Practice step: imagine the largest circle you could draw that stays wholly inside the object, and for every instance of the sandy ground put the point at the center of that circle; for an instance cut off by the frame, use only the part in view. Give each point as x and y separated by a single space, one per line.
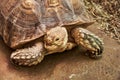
69 65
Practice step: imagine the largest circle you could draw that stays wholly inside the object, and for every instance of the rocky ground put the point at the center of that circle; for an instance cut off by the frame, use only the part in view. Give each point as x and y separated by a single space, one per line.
69 65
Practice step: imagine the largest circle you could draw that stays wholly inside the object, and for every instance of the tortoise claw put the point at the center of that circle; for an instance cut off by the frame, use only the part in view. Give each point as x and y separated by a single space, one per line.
93 54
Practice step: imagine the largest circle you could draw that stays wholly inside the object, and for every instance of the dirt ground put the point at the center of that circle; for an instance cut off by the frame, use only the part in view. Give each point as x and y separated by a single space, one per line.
69 65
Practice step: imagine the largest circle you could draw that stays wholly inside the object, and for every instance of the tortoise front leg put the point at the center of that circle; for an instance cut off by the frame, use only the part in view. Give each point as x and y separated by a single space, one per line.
29 56
88 40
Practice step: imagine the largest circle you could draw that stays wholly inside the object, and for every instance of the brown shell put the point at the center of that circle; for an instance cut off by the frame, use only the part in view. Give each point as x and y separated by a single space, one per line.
26 20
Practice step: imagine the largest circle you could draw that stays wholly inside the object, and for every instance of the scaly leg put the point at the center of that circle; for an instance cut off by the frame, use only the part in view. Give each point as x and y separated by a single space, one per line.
88 40
29 56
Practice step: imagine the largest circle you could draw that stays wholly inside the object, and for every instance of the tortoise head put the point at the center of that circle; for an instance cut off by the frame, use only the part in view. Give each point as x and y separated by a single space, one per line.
56 38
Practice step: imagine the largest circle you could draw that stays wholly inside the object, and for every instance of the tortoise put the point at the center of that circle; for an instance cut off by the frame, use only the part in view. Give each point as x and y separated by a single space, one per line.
35 28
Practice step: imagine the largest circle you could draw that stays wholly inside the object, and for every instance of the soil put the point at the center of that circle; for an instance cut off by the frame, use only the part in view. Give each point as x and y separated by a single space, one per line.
107 14
69 65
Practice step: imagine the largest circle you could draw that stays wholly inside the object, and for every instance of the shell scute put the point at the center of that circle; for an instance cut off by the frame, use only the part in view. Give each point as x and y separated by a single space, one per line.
27 20
7 6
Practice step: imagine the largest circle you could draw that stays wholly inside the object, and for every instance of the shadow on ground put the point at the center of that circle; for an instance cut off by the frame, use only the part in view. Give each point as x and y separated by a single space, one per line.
69 65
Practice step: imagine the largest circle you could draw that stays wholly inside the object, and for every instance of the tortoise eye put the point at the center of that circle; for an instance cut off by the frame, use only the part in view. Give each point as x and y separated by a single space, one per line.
57 39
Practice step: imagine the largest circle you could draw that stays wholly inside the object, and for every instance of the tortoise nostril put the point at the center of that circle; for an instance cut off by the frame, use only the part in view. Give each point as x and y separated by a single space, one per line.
48 41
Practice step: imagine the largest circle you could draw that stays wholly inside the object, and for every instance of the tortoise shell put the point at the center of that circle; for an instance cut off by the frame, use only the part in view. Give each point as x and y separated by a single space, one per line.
23 21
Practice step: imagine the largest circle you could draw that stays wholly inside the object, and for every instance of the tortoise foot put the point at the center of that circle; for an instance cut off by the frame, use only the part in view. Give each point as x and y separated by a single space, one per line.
89 41
28 56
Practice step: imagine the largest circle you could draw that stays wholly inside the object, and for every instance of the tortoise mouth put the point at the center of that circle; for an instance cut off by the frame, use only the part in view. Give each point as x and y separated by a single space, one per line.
51 47
52 44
